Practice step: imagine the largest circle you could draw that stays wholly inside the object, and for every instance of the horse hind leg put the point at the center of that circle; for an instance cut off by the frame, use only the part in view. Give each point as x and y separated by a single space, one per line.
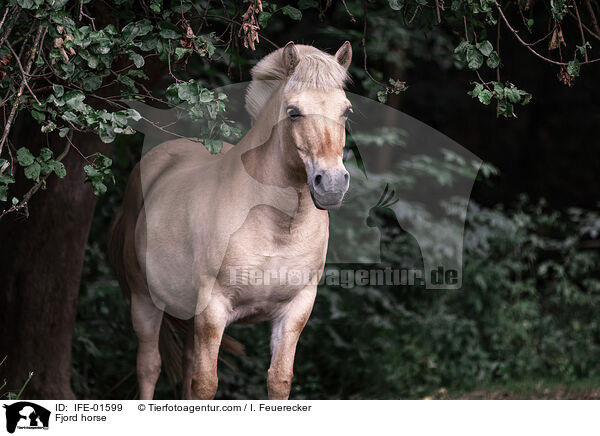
146 319
188 361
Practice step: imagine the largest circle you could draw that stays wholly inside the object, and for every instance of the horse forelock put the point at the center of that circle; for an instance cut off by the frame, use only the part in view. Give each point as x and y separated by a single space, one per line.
315 69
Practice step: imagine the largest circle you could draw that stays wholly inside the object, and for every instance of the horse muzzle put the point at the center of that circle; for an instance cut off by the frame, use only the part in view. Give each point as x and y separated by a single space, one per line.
327 188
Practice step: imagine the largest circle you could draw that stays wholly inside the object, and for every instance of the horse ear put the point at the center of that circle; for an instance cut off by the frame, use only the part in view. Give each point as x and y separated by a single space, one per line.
291 57
344 55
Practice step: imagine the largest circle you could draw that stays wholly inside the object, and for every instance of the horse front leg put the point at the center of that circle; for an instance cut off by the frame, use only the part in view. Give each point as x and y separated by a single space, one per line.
208 332
284 338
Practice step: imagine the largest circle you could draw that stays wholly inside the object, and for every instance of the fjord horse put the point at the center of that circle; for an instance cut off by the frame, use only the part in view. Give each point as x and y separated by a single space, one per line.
195 230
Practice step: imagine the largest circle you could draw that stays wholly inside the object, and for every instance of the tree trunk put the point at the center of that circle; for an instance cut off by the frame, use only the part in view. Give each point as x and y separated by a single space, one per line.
41 259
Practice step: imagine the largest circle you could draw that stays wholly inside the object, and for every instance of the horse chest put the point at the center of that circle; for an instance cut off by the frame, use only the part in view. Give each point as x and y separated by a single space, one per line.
269 260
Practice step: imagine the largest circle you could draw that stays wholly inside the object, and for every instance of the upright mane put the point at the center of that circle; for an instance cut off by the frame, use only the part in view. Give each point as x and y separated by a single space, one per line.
315 69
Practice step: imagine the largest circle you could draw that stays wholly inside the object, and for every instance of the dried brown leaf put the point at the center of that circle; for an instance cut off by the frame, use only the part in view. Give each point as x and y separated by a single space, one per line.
556 40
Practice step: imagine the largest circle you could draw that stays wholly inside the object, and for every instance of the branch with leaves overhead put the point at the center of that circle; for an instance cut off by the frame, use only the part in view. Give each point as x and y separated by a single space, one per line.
58 66
475 20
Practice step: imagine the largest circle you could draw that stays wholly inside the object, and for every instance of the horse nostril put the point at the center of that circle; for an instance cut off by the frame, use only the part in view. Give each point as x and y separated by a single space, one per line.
318 179
346 177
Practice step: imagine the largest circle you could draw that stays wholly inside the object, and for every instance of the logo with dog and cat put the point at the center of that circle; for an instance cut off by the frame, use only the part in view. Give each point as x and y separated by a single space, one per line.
24 415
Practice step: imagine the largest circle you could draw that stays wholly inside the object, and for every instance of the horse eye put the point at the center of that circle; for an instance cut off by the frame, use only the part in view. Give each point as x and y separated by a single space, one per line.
293 112
348 112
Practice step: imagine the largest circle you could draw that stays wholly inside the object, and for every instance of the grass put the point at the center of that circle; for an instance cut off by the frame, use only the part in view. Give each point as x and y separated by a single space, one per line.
544 389
13 395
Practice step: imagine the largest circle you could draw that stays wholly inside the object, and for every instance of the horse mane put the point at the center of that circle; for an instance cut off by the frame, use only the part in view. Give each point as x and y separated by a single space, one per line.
315 69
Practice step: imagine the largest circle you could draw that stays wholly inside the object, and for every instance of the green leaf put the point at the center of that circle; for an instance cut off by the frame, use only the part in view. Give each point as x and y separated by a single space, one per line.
38 116
33 171
506 109
45 154
513 94
58 4
63 132
225 129
99 188
24 157
530 22
107 133
206 95
136 29
69 116
149 43
74 100
6 179
573 67
485 96
58 168
138 60
382 96
91 172
92 82
30 4
3 193
485 47
499 90
476 90
119 119
181 52
170 34
58 90
156 6
214 146
292 12
133 114
263 19
474 58
583 47
127 81
395 4
558 8
493 60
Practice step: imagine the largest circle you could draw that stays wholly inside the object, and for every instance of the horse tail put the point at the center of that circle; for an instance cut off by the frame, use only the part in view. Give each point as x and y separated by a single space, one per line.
121 238
170 346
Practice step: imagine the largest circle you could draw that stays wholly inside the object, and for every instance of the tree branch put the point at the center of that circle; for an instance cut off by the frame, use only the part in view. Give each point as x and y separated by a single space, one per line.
528 46
11 24
588 5
13 111
583 41
23 73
